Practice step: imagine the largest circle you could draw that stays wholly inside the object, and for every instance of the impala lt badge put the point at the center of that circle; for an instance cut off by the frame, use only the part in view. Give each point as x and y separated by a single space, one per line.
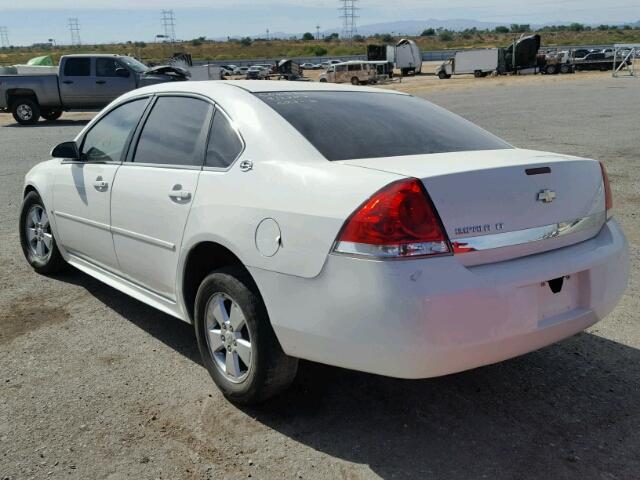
546 196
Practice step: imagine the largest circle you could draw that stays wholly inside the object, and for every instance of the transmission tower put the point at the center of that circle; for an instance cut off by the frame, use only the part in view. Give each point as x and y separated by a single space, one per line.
317 32
74 28
169 25
4 37
348 13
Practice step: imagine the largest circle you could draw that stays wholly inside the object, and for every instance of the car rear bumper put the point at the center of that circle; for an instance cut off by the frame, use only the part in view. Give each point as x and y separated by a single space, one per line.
431 317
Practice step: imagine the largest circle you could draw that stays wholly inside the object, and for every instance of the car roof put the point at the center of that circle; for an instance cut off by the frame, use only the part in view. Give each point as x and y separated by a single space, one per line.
214 88
111 55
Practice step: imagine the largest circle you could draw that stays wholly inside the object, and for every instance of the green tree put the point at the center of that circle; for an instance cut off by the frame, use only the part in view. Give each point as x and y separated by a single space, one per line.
386 38
307 36
501 29
246 42
576 27
445 36
358 38
428 32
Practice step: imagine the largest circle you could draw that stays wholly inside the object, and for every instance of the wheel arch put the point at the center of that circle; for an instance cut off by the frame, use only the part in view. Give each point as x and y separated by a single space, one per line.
200 260
16 93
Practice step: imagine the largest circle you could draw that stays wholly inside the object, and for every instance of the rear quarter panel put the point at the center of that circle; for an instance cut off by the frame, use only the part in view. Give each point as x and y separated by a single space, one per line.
44 87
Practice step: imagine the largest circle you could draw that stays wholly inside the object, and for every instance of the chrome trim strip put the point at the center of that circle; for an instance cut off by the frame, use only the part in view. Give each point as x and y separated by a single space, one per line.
529 235
121 231
86 221
144 238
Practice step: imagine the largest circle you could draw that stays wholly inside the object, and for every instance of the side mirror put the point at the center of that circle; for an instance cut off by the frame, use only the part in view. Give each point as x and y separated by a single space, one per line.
68 150
122 72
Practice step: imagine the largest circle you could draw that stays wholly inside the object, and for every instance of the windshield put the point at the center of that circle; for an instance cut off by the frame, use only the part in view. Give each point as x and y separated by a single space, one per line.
353 125
134 64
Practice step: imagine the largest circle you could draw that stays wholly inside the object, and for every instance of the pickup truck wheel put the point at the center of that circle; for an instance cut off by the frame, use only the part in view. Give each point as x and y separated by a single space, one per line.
236 341
477 74
25 111
36 237
51 115
443 75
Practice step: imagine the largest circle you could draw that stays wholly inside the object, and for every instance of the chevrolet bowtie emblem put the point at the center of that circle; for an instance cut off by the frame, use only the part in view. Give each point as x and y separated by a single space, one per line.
546 196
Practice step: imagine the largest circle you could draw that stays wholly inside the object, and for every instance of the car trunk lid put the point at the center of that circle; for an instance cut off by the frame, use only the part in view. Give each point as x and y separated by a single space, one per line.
502 204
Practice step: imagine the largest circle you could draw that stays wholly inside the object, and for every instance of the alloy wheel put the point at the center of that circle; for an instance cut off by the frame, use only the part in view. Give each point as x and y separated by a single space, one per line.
228 337
38 233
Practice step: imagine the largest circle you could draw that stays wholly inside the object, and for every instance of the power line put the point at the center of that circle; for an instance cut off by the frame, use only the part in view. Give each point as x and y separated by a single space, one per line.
169 25
74 28
348 13
4 37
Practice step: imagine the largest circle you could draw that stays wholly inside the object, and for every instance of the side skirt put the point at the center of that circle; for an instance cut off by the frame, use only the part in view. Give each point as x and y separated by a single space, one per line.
133 290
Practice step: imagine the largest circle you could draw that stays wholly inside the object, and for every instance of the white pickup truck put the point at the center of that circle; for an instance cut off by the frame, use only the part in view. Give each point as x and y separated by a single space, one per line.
83 82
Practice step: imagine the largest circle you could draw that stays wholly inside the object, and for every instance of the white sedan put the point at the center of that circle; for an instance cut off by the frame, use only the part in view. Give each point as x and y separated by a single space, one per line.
352 226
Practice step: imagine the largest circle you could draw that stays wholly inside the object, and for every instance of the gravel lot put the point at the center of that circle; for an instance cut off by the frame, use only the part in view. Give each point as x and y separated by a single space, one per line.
97 385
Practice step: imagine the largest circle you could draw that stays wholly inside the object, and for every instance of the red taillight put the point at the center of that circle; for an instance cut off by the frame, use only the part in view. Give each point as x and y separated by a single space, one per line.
397 221
608 198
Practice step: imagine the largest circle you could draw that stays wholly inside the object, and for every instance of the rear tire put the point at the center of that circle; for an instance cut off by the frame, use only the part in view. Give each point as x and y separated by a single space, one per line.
355 81
477 74
443 75
51 115
231 320
564 69
550 70
36 237
25 111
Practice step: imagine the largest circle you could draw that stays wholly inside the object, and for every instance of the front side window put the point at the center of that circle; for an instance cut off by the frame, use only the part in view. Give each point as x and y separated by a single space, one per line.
224 143
173 132
106 67
77 67
353 125
107 139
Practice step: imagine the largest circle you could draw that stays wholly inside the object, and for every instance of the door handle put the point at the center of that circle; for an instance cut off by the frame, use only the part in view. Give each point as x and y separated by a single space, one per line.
180 195
100 81
100 184
67 81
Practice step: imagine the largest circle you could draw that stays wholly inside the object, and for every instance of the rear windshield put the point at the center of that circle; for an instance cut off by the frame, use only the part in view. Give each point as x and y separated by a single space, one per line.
350 125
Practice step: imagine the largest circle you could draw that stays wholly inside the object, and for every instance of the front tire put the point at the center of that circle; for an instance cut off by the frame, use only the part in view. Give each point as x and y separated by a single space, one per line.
355 81
236 341
25 111
36 237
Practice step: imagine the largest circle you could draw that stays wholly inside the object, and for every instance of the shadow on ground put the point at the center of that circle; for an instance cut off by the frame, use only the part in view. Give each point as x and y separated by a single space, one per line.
571 410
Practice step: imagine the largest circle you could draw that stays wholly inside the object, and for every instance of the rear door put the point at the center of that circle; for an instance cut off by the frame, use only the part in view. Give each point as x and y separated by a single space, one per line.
152 196
77 83
108 85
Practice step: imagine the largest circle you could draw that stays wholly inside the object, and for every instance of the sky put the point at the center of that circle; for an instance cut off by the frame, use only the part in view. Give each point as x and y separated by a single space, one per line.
101 21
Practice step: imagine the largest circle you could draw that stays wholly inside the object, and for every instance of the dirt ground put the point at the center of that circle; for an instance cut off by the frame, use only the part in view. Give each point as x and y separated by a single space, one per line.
95 385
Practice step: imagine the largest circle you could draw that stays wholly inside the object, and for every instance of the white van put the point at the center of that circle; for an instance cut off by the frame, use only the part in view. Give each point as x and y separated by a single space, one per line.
357 73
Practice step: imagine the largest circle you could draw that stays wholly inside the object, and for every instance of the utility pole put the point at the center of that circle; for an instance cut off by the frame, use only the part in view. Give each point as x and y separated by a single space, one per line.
317 32
169 25
74 28
267 34
4 37
348 12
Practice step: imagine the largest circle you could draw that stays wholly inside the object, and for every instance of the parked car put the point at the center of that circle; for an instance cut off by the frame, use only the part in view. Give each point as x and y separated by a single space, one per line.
357 227
241 71
256 72
308 66
84 82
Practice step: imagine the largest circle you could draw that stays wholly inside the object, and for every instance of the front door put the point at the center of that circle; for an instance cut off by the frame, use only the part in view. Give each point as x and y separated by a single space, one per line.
152 196
108 85
82 189
77 83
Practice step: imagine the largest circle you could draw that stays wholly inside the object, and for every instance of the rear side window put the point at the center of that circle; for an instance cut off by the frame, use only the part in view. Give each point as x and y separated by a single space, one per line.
173 132
108 138
77 67
224 143
350 125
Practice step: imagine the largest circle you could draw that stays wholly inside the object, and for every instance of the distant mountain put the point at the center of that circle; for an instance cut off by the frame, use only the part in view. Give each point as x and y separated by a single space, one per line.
416 27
